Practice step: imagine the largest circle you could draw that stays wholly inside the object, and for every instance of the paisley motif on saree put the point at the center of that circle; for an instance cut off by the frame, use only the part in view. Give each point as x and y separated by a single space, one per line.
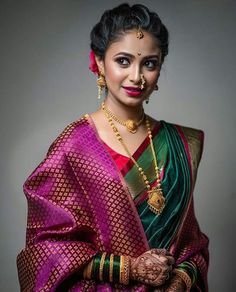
79 205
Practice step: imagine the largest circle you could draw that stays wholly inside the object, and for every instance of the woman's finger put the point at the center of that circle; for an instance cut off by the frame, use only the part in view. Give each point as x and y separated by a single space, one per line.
171 260
159 251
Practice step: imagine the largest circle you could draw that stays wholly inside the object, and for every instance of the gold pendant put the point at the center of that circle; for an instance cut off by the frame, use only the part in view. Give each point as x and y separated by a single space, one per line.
131 126
156 201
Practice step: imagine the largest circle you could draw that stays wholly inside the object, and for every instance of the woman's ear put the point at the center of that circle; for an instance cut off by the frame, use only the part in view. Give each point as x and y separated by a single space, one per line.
100 64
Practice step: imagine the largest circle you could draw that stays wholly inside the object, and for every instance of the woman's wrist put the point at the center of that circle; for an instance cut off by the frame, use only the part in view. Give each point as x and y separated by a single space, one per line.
190 268
124 270
184 277
108 268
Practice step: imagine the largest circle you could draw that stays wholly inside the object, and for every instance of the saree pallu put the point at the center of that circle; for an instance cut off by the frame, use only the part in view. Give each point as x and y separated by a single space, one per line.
79 204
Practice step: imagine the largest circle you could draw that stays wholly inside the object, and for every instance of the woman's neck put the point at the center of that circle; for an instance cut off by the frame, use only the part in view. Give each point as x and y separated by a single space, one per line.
123 111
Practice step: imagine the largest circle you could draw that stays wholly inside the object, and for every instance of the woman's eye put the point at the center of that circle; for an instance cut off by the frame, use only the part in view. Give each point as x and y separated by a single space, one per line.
151 64
122 61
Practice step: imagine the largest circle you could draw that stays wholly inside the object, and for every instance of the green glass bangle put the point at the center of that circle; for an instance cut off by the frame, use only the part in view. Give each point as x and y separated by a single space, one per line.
190 269
195 271
96 265
116 269
106 268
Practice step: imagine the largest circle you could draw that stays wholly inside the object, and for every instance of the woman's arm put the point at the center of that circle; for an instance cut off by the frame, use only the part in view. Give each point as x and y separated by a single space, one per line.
60 237
191 245
152 268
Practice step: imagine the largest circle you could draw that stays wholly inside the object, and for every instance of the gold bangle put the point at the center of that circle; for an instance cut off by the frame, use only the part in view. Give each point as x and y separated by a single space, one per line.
85 272
121 268
185 277
111 268
102 266
124 270
88 270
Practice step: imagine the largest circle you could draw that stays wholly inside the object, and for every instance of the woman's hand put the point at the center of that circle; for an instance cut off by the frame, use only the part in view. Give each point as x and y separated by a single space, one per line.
152 267
175 284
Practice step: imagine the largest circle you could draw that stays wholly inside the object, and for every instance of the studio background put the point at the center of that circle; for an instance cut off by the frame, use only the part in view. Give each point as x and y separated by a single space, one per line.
45 84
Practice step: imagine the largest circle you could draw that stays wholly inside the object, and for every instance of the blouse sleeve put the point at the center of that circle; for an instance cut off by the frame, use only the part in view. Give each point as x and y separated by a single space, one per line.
60 238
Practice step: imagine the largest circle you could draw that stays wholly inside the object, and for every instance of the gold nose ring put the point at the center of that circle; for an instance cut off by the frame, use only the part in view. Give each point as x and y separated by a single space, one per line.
143 81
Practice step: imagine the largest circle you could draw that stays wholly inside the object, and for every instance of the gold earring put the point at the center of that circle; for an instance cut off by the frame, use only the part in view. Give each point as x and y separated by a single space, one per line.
156 87
101 83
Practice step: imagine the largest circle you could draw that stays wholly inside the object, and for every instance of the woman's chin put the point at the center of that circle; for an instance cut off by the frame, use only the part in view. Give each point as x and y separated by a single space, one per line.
130 101
134 102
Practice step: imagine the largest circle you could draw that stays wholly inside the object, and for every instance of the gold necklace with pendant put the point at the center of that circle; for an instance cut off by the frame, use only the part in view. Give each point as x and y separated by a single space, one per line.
130 125
156 200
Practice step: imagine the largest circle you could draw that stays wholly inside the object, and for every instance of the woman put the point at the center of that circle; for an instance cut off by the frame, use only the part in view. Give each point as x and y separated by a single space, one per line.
111 205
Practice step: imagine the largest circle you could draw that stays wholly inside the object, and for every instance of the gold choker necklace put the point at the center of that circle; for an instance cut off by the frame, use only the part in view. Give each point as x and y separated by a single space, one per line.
130 125
156 200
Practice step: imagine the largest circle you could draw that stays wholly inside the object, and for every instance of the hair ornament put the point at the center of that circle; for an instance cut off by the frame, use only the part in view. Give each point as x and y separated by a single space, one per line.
139 33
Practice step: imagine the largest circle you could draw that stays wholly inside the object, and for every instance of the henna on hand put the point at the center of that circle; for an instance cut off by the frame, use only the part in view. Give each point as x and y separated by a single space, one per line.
152 267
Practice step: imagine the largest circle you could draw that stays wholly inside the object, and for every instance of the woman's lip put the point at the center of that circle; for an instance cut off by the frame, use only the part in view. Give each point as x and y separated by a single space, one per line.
132 91
130 88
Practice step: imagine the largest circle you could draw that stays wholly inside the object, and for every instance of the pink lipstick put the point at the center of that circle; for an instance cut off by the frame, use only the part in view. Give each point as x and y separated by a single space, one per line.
132 91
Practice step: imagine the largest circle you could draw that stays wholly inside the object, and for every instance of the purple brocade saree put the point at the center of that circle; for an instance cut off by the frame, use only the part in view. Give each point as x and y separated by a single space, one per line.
79 204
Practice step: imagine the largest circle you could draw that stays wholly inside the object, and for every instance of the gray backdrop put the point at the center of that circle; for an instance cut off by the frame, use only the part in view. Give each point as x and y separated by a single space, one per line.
45 84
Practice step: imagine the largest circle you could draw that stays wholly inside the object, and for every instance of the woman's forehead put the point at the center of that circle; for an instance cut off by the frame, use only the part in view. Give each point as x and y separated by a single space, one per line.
131 44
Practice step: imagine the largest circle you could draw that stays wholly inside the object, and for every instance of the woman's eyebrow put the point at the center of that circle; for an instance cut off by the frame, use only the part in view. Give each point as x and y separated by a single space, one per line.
124 54
152 56
132 56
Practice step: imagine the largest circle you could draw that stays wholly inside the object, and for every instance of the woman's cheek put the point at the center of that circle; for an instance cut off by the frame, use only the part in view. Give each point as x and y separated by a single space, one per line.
114 74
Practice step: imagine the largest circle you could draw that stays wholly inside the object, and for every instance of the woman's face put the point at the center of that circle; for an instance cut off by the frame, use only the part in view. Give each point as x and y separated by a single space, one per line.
125 60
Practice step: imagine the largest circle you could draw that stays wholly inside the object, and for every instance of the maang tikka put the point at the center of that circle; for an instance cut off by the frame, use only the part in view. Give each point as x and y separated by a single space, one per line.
139 33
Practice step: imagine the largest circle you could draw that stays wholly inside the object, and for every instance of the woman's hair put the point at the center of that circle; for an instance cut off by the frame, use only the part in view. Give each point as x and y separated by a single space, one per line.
115 22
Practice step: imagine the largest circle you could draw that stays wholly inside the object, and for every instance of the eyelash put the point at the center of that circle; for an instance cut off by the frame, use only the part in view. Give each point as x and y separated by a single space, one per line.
154 64
121 60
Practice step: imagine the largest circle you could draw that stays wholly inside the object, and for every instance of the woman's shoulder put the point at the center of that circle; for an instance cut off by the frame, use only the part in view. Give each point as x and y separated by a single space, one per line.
61 146
192 133
193 140
189 133
69 134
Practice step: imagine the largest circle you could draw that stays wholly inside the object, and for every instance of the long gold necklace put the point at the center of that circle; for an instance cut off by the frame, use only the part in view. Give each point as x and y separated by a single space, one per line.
130 125
156 200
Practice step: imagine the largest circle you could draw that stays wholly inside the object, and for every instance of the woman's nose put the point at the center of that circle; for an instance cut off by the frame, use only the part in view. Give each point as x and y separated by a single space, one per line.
135 74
